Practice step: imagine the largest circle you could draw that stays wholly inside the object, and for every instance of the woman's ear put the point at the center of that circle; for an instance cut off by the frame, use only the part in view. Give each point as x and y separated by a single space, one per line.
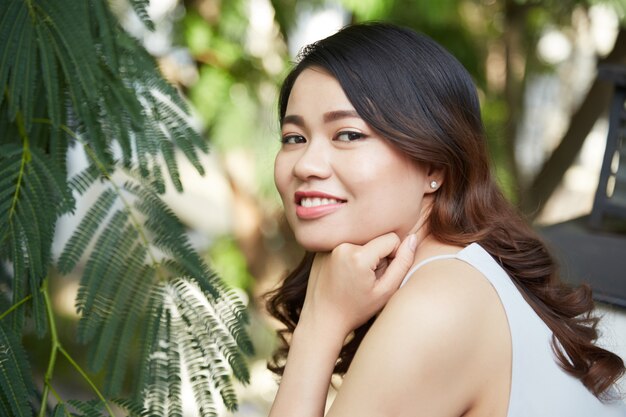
434 178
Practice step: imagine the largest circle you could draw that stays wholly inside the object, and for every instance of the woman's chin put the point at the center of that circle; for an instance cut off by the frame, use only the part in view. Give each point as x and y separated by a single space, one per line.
326 245
316 246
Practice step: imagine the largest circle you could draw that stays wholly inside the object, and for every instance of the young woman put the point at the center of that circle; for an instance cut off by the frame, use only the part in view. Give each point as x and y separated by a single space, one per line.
421 283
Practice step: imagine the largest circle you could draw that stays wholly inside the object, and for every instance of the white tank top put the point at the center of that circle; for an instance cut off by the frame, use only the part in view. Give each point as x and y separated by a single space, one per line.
539 387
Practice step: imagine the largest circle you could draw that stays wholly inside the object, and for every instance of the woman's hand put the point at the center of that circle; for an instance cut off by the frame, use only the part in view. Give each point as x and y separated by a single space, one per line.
346 287
352 283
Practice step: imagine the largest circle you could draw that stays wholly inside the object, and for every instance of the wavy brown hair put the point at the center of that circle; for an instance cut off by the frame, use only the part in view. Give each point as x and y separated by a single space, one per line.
417 96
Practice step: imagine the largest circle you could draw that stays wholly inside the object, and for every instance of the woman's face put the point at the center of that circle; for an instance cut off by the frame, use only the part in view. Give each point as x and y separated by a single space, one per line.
339 181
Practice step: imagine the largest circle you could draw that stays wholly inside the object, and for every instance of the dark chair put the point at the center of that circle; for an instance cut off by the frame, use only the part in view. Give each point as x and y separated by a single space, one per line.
610 200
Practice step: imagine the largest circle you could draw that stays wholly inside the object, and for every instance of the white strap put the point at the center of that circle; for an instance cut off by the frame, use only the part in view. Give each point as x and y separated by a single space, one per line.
424 262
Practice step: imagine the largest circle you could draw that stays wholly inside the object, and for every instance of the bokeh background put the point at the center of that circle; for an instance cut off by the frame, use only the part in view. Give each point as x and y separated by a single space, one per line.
534 62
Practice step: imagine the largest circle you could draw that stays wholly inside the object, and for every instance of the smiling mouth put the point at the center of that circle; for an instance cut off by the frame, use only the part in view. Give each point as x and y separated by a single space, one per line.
317 202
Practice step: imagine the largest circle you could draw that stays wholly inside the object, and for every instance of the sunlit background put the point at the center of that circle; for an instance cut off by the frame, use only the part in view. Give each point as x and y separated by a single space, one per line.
533 62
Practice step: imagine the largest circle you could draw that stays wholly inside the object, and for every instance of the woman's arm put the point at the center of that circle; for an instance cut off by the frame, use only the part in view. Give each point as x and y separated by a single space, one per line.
346 287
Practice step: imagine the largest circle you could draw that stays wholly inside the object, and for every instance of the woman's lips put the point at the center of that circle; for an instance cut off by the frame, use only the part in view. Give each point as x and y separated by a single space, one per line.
314 204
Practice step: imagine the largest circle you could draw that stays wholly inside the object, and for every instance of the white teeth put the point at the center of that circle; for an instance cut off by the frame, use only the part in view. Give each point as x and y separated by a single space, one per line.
314 202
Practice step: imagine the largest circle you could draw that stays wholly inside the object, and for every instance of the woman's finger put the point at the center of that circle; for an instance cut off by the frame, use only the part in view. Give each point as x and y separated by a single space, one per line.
378 248
399 266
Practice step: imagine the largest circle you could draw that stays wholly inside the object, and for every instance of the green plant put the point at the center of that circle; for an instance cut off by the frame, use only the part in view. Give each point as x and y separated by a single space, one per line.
71 77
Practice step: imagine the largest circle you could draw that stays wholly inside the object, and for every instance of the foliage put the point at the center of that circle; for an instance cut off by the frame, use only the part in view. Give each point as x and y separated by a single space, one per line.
71 78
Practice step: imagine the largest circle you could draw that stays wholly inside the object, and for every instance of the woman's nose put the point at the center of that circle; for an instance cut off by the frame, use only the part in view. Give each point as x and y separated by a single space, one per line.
314 162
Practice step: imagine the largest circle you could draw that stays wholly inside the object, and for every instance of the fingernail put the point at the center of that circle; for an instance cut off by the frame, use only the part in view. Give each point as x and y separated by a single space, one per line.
413 242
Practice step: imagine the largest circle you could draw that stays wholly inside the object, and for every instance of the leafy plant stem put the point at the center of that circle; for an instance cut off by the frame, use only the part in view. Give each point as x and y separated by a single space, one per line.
53 351
25 158
56 348
15 306
87 379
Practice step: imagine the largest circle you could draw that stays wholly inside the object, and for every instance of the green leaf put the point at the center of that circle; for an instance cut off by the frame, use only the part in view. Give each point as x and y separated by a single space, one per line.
86 230
15 376
134 314
68 26
106 27
13 17
49 72
117 303
140 7
92 408
60 411
84 179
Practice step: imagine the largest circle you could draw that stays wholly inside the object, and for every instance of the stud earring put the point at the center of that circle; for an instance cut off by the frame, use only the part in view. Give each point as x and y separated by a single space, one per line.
434 185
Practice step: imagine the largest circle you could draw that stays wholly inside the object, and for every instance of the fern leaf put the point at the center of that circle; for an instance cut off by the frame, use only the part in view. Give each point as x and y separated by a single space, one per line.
19 282
5 407
23 77
169 156
58 149
220 377
56 182
198 375
104 249
157 181
91 408
106 27
168 231
115 304
60 411
34 278
10 166
106 262
142 151
32 230
15 376
181 133
150 336
69 28
205 352
86 230
89 127
140 7
163 106
134 408
49 71
203 320
83 180
174 376
134 314
157 388
126 96
13 17
233 324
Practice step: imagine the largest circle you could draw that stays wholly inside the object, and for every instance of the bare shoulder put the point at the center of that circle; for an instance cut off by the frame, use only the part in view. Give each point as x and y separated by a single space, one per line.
451 303
450 287
434 344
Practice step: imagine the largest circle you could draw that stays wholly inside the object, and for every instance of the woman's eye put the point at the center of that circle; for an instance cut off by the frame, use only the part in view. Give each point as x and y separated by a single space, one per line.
349 136
292 139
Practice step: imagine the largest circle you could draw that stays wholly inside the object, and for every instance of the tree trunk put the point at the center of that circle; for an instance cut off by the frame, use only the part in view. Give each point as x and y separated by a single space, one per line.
515 17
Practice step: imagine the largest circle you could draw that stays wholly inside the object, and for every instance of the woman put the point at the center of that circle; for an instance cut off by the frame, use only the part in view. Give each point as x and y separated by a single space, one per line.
421 283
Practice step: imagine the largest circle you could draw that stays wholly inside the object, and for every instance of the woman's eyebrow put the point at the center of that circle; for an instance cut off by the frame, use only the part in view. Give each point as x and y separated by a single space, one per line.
294 119
331 116
328 117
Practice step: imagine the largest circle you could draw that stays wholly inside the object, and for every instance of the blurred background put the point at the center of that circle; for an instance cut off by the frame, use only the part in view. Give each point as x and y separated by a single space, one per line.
535 65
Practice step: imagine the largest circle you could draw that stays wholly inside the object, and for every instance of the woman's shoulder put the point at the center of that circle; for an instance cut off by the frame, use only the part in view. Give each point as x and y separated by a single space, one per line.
447 291
450 308
435 338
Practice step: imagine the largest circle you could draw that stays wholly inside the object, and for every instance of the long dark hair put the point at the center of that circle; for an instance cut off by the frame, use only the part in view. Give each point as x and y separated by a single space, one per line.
417 96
